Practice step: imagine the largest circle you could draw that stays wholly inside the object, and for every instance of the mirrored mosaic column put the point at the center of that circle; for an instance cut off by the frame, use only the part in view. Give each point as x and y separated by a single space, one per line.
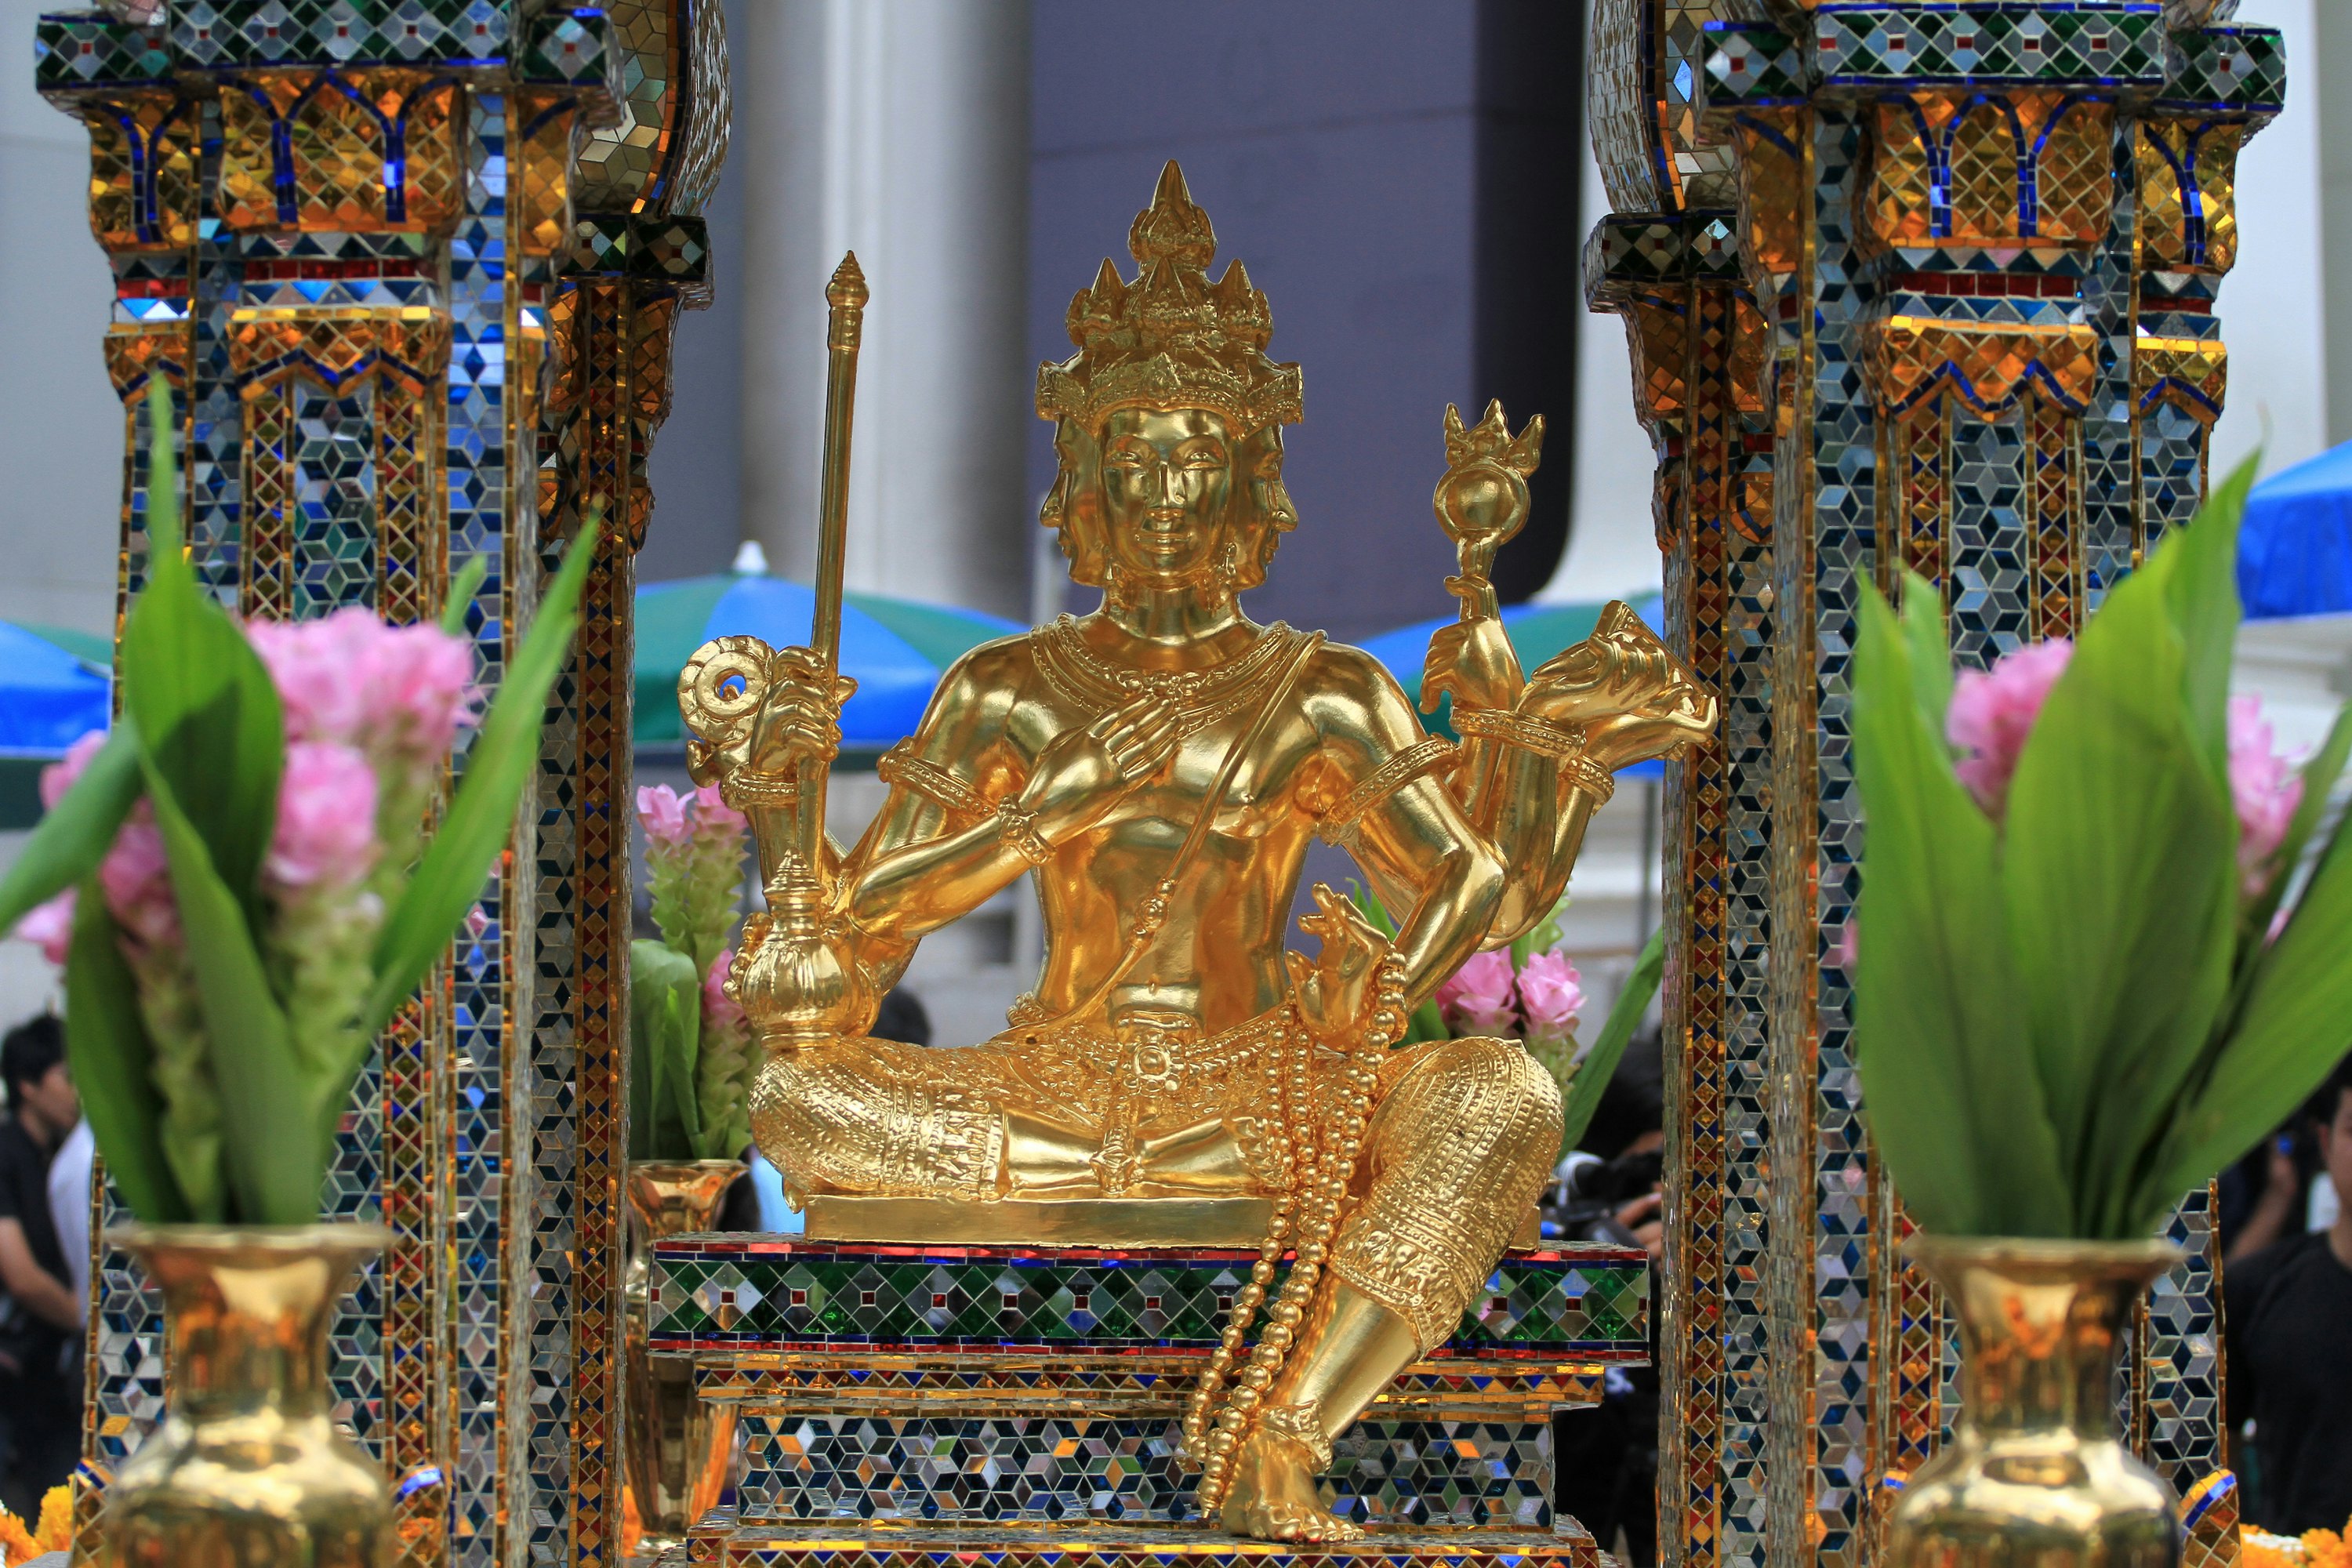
304 206
1981 241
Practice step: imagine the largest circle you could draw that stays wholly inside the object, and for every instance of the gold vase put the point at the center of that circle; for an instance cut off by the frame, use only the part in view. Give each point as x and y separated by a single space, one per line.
678 1447
2034 1474
248 1467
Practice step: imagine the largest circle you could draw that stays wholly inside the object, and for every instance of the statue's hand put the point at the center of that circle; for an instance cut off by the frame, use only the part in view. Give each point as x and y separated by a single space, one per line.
1476 662
1629 698
1084 771
755 709
1335 989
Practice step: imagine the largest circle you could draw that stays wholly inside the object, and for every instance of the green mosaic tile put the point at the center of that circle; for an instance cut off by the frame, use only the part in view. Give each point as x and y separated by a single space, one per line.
78 53
1627 254
563 46
213 33
2225 70
2051 44
669 251
1750 64
1587 1302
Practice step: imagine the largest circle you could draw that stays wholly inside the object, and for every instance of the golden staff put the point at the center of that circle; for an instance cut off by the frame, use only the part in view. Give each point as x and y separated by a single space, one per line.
846 296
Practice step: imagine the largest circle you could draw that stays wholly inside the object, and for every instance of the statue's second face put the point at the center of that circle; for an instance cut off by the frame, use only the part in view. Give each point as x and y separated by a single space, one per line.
1167 479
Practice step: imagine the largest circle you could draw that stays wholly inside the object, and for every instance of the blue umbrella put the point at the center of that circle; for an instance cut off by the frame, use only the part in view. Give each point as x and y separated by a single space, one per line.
49 697
896 649
53 692
2295 551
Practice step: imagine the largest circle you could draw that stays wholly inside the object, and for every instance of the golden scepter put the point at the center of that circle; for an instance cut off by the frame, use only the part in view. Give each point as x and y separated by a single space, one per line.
846 297
795 974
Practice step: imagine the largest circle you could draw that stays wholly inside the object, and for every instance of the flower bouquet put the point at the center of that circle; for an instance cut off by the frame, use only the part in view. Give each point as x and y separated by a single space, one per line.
239 882
1529 991
2081 987
691 1063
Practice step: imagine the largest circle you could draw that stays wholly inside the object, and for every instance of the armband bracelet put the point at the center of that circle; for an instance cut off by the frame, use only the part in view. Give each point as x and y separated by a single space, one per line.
1584 774
1017 830
1541 736
899 766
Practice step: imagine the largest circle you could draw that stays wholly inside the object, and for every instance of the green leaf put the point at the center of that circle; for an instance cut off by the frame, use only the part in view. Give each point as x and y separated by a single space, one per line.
2198 568
1928 646
76 834
2297 1025
1949 1089
461 594
665 1015
449 878
278 1164
208 717
1599 1064
112 1061
2119 877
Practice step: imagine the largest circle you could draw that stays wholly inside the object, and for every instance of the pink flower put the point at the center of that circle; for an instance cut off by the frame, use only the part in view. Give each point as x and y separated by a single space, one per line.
2265 789
662 813
1993 711
50 926
398 692
1481 993
136 880
325 834
61 775
711 812
718 1007
1551 993
1847 953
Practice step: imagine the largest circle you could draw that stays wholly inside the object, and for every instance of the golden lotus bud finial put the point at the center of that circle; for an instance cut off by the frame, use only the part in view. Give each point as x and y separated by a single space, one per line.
1482 501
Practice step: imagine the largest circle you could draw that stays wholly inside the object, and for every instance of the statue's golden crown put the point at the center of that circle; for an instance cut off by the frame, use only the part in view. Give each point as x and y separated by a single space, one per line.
1172 339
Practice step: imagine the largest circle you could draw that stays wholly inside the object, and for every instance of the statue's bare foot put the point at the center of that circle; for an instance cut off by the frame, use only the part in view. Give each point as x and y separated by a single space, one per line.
1272 1495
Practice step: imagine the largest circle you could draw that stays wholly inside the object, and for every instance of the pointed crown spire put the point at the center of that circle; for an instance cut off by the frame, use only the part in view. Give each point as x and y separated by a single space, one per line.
1170 339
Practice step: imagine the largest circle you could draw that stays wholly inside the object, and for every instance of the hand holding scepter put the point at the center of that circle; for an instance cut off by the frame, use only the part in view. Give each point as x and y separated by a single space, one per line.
1481 502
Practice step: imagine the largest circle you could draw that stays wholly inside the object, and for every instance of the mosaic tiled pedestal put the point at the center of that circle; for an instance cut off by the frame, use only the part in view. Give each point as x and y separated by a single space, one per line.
900 1402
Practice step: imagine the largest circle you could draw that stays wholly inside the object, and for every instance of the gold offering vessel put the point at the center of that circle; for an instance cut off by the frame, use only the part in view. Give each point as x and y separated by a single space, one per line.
1159 767
2035 1474
678 1446
248 1467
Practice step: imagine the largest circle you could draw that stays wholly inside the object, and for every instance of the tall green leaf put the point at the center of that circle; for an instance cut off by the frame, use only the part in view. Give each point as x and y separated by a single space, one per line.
1599 1064
2198 568
76 832
449 877
665 1018
1928 649
2119 877
208 717
1948 1087
462 590
2295 1026
276 1163
112 1061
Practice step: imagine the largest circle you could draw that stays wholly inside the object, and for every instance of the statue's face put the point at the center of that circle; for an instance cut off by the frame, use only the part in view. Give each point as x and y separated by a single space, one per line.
1167 482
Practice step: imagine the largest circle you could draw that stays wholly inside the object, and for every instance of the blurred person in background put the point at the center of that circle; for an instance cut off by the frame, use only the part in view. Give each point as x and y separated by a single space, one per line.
40 1391
1611 1189
2288 1317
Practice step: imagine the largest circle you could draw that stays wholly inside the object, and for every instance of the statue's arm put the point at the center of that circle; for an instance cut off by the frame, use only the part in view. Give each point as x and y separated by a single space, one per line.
939 848
1375 793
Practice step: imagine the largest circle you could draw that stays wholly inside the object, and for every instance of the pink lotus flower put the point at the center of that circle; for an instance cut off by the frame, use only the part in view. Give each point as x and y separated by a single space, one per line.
61 776
718 1007
1993 711
2265 789
1847 953
399 694
712 814
1481 993
663 815
325 834
49 927
1552 995
135 879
